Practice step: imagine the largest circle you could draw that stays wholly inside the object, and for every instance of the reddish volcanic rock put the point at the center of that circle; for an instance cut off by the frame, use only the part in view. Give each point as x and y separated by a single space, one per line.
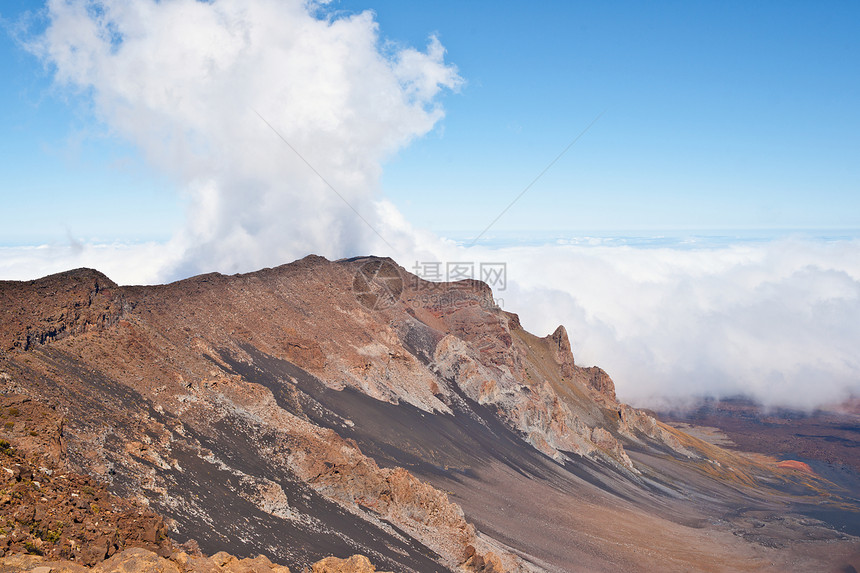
140 560
796 465
47 510
562 353
354 564
41 311
600 382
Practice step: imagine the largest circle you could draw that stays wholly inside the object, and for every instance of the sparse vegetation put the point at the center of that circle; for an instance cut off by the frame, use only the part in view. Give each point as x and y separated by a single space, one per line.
13 412
32 549
48 535
47 518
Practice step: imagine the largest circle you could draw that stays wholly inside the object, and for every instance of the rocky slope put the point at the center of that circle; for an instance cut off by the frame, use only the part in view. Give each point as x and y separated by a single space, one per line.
54 520
331 408
49 511
138 560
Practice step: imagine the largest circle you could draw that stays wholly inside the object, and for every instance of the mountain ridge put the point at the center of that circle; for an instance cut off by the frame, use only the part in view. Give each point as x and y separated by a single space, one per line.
336 402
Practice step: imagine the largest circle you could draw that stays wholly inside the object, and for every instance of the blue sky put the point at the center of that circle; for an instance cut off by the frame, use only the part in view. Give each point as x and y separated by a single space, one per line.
716 115
63 174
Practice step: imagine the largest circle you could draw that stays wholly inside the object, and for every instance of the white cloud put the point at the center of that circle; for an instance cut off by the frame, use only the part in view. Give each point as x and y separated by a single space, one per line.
775 320
125 264
185 81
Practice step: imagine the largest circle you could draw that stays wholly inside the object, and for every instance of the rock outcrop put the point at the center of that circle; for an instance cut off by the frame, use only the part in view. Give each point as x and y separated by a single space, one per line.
354 564
43 311
139 560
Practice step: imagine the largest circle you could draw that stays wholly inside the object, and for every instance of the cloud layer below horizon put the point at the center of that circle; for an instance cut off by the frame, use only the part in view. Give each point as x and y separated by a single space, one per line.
775 320
187 82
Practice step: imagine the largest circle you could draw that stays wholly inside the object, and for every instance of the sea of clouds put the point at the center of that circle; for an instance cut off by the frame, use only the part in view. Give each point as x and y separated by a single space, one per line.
274 117
776 320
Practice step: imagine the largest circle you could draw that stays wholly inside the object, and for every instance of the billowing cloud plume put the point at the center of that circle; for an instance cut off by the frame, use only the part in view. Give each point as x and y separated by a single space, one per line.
273 116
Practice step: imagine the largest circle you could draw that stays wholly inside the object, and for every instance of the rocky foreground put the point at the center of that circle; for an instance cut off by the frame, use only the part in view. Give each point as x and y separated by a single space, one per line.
338 408
138 560
56 521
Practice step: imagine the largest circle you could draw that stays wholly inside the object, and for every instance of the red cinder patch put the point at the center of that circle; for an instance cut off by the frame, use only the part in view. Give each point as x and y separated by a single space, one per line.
796 465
